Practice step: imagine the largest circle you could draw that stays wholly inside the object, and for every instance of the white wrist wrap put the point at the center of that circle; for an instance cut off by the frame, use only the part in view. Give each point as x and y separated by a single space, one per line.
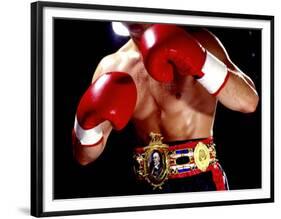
89 136
215 72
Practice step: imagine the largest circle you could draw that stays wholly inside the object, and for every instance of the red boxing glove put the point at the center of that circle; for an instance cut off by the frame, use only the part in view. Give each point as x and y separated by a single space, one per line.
168 49
111 97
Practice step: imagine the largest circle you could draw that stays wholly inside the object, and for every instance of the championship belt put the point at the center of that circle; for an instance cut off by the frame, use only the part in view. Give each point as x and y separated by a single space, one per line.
159 162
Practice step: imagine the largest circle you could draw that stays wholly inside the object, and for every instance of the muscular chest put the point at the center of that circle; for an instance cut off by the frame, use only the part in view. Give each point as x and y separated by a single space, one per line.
180 90
183 94
177 110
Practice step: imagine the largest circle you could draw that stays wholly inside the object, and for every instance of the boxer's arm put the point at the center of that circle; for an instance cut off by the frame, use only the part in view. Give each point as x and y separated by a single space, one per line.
86 155
102 108
201 55
239 91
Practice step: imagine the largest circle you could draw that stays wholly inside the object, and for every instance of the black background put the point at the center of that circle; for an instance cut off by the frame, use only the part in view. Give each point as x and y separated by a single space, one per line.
79 46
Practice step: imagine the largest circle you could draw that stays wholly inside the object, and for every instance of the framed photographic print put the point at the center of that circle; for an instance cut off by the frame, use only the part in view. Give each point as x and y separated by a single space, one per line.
144 108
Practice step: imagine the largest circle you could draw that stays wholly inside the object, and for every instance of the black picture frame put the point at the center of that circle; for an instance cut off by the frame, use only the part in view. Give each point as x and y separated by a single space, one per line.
38 22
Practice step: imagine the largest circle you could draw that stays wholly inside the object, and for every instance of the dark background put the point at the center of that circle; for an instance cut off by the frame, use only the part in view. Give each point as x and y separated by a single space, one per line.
79 46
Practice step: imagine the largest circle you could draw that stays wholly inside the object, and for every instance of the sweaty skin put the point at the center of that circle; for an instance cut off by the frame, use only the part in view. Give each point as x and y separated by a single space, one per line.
179 110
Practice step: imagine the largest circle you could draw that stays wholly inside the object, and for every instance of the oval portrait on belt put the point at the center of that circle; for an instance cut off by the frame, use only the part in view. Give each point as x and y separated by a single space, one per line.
156 165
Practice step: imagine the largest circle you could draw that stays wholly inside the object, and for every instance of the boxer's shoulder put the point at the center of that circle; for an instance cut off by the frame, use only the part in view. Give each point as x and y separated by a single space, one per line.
201 34
211 42
129 53
121 60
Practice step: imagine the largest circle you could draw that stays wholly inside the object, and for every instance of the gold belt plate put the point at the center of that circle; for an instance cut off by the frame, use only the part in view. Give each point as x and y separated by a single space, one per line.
201 156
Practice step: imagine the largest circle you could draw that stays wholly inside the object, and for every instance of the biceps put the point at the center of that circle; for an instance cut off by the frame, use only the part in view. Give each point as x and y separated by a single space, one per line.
239 73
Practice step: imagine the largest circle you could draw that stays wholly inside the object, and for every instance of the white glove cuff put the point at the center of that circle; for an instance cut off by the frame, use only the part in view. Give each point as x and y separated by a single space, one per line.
90 136
215 74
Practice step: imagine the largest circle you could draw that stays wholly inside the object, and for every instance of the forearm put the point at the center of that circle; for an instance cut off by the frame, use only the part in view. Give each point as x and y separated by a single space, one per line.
239 93
86 155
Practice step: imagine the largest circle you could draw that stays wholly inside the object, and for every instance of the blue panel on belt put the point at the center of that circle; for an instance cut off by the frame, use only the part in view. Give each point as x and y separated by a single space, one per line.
183 170
184 151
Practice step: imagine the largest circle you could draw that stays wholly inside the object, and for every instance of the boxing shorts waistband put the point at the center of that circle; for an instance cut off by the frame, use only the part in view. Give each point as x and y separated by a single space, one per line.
159 162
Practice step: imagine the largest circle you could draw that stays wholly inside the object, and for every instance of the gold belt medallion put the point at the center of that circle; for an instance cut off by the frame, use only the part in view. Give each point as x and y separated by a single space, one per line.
201 156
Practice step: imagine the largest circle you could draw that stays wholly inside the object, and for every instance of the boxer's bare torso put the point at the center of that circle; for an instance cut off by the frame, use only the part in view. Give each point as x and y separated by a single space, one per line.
179 110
